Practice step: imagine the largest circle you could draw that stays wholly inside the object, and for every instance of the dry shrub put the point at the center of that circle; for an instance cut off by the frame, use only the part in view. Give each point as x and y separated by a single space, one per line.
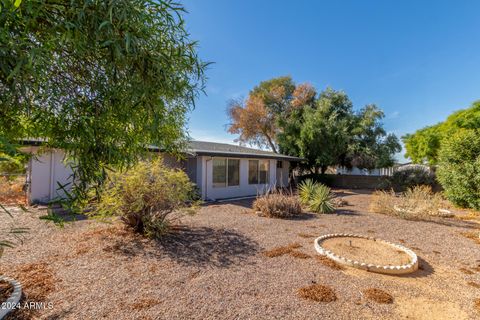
417 203
306 235
475 236
378 295
299 255
474 284
318 292
477 304
11 191
144 303
277 205
280 251
329 263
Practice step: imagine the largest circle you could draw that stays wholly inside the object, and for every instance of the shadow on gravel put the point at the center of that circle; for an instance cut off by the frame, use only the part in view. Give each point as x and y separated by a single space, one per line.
424 270
205 246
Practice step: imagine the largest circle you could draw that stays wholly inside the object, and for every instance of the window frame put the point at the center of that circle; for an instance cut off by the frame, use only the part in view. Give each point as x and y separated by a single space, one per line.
226 184
267 176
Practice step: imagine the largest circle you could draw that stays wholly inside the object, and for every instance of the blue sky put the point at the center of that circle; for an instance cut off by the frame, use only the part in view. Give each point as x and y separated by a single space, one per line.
417 60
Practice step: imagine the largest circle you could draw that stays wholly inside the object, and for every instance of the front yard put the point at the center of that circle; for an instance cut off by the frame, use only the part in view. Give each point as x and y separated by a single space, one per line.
215 266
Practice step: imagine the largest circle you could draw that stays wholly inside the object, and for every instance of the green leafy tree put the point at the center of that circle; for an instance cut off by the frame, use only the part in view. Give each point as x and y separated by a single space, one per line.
423 146
371 147
329 133
99 79
325 131
459 168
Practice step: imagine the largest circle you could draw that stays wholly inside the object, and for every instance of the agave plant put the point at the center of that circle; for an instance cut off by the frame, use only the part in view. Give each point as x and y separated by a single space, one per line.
306 190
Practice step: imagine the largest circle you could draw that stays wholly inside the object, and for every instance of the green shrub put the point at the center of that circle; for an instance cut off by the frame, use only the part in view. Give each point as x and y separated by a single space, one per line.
277 205
317 197
13 164
411 176
459 168
145 196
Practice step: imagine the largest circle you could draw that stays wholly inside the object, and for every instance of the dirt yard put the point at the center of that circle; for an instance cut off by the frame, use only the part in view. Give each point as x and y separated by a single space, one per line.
215 267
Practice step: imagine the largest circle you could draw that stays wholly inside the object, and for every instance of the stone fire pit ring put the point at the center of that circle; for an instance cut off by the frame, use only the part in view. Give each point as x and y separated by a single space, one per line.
410 267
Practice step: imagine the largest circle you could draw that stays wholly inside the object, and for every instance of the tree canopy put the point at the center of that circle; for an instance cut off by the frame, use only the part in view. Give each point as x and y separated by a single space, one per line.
99 79
423 146
322 128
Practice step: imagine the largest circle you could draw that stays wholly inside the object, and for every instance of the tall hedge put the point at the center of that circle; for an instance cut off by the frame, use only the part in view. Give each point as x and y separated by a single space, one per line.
459 168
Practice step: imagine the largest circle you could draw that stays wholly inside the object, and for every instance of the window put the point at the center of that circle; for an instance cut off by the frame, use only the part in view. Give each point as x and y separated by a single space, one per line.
279 164
258 171
252 171
233 173
226 172
263 171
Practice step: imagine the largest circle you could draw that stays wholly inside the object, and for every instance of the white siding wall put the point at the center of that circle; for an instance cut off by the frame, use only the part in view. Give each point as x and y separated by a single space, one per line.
242 190
43 174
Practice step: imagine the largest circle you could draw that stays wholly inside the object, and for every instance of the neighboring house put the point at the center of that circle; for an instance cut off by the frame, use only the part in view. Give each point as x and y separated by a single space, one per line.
220 170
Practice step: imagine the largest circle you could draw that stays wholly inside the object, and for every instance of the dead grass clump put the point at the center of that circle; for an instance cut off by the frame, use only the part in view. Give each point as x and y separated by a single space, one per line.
11 191
475 236
417 203
474 284
340 202
299 255
378 295
318 292
477 304
466 271
6 290
329 263
280 251
144 303
37 280
306 235
277 205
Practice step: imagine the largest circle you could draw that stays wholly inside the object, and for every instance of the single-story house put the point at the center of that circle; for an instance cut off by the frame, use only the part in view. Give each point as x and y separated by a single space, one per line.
220 171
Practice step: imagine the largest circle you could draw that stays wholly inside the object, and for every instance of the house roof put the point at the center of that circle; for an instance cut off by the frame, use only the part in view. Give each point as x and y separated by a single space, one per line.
206 148
201 148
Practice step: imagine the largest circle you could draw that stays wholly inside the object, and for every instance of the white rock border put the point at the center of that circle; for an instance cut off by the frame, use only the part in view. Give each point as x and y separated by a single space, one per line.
7 306
412 266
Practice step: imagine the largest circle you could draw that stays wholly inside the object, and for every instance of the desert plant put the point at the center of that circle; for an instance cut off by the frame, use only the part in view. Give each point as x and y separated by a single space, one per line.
321 201
277 205
306 190
145 196
317 197
416 203
459 168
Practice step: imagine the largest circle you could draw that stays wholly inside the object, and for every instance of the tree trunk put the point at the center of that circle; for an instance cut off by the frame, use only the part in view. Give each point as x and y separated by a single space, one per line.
270 142
324 169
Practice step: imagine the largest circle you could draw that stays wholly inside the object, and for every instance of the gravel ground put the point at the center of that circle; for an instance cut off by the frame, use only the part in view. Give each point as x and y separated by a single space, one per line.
214 267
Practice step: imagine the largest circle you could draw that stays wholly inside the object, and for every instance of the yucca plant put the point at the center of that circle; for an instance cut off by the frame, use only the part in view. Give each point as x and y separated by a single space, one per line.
316 196
321 201
306 190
